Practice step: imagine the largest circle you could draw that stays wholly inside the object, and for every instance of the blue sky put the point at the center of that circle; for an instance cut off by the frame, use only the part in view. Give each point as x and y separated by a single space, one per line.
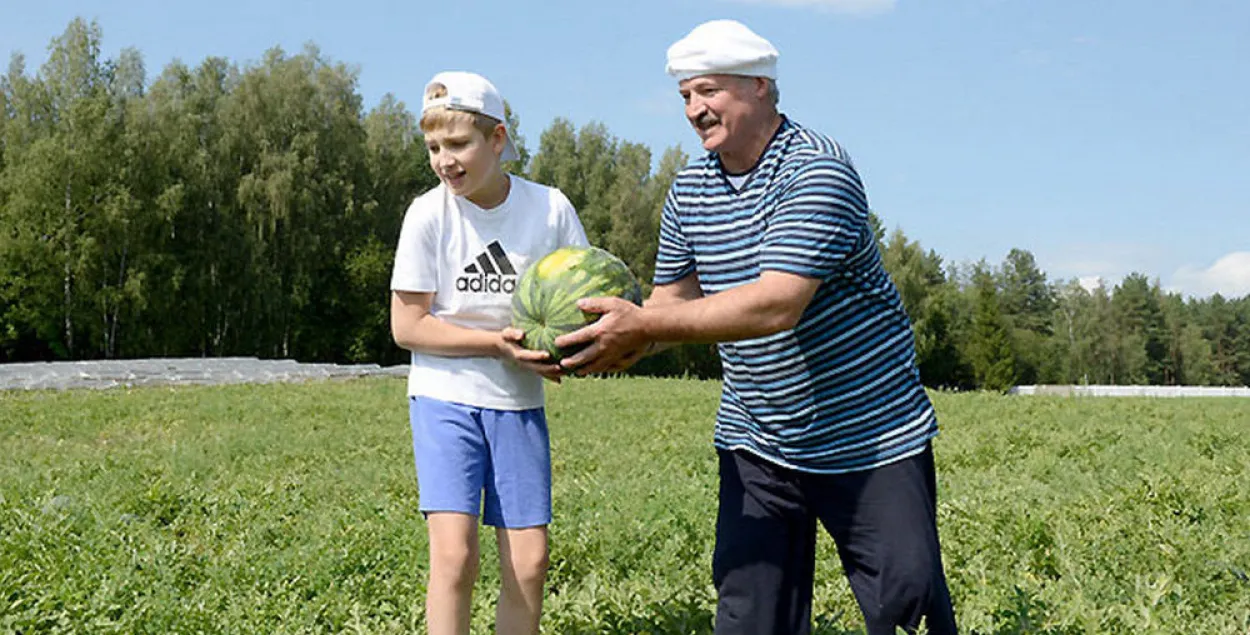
1104 137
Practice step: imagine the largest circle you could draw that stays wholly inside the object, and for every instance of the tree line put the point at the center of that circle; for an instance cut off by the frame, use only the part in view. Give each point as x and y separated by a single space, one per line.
227 210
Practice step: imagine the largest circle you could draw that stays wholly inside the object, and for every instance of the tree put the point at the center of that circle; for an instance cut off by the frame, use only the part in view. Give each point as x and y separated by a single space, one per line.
298 120
61 146
1027 304
993 361
631 233
925 293
1139 320
583 166
1071 344
1189 354
398 171
1226 325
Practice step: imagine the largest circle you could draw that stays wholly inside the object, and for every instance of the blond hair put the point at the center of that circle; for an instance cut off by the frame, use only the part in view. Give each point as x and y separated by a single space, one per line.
442 116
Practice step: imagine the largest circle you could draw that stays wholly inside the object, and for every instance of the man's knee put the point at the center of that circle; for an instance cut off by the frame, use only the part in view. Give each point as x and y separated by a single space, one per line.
914 591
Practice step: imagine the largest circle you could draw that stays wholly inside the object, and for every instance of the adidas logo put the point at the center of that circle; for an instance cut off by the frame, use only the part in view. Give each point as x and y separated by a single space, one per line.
490 272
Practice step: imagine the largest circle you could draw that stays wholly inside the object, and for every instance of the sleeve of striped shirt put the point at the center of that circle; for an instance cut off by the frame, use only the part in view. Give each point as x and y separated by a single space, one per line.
817 220
673 259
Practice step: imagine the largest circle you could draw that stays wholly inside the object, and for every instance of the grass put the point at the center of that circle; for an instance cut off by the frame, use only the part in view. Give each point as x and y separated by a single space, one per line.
292 509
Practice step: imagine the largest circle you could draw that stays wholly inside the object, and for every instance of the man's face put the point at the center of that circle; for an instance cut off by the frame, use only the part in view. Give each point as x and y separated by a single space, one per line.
722 107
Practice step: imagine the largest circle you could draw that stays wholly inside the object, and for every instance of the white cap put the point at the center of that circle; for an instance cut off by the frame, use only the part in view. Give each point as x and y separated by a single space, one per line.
722 47
470 92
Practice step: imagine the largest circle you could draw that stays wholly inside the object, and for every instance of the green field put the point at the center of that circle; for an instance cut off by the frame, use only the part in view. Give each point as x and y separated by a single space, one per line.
292 509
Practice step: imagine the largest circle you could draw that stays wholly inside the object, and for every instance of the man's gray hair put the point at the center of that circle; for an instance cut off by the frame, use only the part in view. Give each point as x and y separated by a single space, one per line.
774 93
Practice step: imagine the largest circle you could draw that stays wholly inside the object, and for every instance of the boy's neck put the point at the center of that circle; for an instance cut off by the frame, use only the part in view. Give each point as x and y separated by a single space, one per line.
493 194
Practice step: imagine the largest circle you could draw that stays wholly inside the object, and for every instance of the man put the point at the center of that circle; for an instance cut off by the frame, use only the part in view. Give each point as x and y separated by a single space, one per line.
765 247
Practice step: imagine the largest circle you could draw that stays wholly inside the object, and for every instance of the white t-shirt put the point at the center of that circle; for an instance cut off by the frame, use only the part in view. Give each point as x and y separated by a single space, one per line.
471 259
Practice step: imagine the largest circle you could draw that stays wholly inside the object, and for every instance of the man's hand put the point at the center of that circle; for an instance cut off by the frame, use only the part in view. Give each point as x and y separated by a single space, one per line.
536 361
617 340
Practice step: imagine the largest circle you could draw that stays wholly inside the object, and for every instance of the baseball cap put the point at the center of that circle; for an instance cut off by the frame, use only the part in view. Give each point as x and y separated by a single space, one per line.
470 92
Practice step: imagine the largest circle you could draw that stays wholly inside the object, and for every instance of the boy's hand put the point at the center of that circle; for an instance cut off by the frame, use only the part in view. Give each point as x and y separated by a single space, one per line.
537 361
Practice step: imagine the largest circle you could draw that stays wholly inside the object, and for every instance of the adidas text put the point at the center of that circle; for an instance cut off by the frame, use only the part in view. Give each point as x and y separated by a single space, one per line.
486 283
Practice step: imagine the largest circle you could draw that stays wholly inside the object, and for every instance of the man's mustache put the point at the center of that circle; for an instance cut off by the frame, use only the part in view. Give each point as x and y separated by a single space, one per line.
706 120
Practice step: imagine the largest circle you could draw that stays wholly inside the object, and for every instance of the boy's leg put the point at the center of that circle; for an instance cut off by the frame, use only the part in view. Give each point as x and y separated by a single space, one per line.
449 447
518 503
453 570
765 550
884 523
522 572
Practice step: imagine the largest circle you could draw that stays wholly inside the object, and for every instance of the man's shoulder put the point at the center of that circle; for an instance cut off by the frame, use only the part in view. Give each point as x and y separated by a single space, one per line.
807 144
702 166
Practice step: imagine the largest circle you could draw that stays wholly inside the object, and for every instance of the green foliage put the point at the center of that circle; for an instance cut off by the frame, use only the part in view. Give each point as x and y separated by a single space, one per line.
610 184
225 211
292 508
989 346
228 209
926 296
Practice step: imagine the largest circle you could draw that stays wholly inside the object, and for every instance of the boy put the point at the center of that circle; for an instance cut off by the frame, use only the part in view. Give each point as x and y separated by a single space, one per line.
475 396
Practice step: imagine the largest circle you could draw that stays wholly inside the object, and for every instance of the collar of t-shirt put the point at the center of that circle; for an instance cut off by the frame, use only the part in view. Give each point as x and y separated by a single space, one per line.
736 180
495 212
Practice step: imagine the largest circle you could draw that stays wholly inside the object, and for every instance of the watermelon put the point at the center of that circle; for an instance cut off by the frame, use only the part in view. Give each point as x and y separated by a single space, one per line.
544 304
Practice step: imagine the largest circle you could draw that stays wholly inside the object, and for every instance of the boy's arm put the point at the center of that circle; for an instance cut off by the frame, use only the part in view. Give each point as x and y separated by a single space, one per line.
415 329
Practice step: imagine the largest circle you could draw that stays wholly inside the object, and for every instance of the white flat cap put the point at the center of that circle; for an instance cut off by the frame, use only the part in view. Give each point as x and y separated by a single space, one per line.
722 47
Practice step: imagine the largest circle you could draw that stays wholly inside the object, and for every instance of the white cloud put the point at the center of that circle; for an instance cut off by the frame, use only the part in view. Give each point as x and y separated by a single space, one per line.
1229 276
1089 283
853 7
1103 263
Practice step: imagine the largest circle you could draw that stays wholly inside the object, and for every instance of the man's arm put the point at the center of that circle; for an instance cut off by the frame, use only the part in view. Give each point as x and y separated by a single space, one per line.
683 290
769 305
772 304
666 295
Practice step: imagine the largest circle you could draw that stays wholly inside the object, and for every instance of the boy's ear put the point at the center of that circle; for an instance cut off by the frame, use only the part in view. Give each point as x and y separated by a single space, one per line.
499 138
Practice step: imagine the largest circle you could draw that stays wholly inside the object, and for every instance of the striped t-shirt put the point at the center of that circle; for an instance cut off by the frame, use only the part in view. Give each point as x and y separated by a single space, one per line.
841 391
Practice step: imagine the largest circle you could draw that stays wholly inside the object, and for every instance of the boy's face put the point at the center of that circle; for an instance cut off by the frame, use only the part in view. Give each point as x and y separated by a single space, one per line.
464 159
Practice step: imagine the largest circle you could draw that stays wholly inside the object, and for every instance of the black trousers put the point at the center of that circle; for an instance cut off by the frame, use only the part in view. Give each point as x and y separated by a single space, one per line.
883 522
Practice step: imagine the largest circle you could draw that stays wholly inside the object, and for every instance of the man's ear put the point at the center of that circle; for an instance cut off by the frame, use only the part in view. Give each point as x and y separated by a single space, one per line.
761 87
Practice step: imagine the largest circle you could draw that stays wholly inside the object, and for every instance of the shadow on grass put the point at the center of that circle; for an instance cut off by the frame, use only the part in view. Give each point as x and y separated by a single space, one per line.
1022 615
683 617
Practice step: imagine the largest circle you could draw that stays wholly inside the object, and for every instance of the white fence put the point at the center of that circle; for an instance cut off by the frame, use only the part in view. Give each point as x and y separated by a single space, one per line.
1133 391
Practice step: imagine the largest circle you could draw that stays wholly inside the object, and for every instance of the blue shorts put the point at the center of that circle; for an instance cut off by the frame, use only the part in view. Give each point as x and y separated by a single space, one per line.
462 450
